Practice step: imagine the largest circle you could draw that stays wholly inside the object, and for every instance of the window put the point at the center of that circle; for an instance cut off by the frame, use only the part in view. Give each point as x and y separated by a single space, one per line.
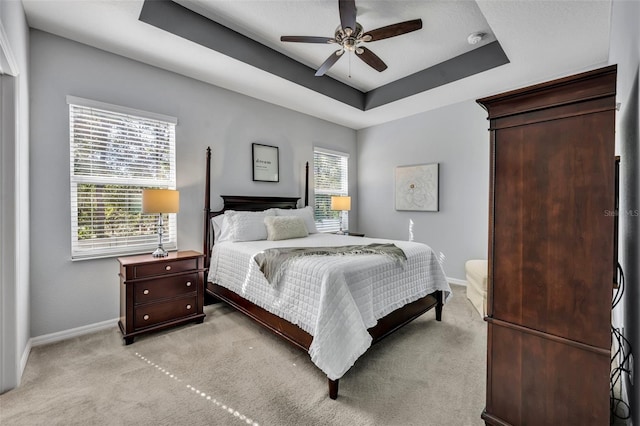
115 152
330 176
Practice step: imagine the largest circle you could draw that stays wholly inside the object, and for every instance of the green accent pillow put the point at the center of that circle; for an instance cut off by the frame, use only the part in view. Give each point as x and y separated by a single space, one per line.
285 227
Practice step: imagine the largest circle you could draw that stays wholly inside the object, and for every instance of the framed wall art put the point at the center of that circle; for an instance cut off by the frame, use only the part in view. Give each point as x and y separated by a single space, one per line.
265 163
417 187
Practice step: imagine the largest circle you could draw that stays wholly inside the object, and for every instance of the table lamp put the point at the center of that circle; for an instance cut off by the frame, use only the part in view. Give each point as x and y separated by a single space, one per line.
342 204
160 201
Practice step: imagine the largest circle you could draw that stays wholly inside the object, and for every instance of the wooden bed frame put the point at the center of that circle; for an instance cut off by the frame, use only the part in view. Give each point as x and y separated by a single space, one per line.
288 331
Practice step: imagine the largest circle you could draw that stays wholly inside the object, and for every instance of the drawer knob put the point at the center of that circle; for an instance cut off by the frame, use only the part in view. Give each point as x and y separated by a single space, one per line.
146 317
188 306
188 283
167 268
145 291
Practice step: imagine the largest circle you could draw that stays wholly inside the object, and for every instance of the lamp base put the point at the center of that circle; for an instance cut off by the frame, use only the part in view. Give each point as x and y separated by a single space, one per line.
160 252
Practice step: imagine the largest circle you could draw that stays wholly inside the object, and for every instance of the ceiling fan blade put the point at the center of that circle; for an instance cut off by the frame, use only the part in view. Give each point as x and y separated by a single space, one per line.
394 30
371 59
347 14
307 39
328 63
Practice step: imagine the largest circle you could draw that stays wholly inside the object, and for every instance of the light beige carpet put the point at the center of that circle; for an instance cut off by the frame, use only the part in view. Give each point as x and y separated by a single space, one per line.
229 371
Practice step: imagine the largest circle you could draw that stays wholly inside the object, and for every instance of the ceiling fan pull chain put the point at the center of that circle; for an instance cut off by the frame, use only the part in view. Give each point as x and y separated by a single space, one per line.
349 64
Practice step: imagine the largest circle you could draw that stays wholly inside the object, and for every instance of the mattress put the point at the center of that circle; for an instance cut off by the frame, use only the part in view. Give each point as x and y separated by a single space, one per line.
333 298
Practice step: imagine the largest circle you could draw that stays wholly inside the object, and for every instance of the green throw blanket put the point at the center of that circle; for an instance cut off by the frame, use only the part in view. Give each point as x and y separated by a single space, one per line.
273 261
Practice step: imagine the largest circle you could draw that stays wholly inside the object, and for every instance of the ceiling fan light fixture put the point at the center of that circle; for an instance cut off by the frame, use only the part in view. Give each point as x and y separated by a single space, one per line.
350 35
475 38
350 44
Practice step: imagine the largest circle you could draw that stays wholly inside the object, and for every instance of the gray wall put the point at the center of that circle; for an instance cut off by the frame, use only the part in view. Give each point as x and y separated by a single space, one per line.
66 294
625 51
455 136
14 198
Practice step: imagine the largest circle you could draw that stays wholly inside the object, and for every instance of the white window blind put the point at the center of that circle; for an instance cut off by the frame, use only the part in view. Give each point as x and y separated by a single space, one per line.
331 177
115 152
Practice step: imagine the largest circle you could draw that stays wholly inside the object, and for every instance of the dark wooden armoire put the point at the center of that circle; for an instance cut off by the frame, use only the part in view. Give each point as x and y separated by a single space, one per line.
551 251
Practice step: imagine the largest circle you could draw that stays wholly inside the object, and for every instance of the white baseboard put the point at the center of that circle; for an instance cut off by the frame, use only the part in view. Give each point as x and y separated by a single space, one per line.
456 281
86 329
91 328
74 332
23 360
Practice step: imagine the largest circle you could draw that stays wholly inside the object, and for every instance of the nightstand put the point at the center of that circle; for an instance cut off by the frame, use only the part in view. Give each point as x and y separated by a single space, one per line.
354 234
160 292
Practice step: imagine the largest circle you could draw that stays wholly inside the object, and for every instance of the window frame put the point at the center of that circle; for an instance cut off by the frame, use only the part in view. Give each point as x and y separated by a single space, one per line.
330 222
131 188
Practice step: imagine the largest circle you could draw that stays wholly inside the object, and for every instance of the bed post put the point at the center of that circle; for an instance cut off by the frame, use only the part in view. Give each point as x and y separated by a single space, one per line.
207 210
439 305
306 185
333 388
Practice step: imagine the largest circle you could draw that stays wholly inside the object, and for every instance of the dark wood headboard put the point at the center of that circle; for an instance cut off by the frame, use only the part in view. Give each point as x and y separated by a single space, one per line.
242 203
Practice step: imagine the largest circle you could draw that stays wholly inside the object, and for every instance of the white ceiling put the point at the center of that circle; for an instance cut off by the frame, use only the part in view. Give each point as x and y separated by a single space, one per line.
542 39
446 26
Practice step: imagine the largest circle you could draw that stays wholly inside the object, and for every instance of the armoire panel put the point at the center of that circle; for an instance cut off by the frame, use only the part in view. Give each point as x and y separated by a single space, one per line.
552 189
548 385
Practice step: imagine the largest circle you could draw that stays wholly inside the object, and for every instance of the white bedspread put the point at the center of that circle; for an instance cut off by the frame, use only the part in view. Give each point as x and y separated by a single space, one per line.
333 298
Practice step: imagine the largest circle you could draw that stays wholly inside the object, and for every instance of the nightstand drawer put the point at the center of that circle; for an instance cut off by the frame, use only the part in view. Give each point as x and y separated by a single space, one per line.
163 288
155 313
166 267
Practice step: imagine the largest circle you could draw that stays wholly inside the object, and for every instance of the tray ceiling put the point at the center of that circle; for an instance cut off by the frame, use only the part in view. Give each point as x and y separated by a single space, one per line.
527 42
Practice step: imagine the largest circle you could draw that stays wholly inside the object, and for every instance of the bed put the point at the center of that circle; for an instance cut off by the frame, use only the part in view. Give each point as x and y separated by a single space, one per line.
333 307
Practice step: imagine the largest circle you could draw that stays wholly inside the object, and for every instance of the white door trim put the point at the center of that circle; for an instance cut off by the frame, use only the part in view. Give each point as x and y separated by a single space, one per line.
10 369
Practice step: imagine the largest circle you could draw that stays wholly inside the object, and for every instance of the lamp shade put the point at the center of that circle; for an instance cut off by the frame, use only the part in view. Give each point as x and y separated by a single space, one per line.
341 203
160 201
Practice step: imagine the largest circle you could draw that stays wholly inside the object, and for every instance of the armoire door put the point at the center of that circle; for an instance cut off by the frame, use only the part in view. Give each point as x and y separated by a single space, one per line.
553 241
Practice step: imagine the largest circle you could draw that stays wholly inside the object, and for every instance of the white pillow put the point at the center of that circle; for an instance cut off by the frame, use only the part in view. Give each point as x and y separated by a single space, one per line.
218 225
285 227
245 226
306 213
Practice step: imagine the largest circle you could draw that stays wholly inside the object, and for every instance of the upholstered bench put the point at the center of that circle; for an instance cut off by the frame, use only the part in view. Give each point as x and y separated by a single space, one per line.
476 271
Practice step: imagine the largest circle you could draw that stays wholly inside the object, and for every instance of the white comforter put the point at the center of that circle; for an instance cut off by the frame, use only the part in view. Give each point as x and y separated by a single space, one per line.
333 298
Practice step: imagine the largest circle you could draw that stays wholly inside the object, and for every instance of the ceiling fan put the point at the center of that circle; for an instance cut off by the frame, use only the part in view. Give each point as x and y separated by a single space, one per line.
350 35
